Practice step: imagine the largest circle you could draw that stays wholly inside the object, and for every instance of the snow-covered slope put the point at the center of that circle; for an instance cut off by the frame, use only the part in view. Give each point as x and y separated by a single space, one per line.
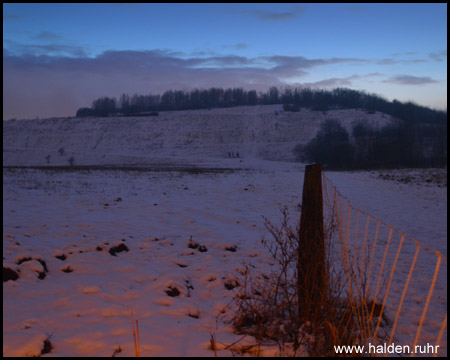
172 137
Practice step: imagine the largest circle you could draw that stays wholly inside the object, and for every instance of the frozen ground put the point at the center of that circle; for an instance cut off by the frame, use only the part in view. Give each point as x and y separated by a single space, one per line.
60 228
81 215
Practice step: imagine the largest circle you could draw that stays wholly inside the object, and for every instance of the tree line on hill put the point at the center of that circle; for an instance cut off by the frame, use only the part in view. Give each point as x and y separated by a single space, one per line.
417 138
293 99
173 100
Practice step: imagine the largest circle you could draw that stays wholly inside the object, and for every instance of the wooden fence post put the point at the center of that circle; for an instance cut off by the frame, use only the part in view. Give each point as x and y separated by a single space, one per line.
312 278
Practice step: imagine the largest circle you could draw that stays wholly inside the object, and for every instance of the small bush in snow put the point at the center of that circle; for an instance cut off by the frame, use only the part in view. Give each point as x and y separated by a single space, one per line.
270 308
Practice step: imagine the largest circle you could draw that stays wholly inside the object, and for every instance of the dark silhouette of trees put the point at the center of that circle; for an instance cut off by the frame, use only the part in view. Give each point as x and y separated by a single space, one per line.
273 95
364 140
399 144
252 97
104 106
84 112
293 99
331 146
124 102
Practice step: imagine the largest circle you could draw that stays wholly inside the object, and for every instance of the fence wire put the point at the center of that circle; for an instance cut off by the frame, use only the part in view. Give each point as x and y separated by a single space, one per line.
401 280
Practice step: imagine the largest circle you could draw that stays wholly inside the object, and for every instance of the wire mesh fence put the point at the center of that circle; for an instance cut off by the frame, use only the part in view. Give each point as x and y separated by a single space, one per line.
401 282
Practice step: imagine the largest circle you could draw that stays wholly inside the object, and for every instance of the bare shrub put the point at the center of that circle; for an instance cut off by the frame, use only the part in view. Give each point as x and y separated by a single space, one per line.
267 305
269 309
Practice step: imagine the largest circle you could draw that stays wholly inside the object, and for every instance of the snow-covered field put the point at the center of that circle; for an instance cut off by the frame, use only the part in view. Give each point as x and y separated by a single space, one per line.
71 221
172 137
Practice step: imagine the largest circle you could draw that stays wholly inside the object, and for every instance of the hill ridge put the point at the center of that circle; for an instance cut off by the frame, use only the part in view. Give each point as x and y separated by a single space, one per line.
187 136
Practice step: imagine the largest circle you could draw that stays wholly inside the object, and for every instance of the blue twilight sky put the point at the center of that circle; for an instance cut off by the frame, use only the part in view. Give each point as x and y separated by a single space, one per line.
59 57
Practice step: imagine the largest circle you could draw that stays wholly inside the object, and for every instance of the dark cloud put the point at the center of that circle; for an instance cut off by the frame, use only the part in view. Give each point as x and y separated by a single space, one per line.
241 46
238 46
276 15
390 61
334 82
50 48
203 53
411 80
407 53
11 17
289 66
439 56
223 61
343 60
387 61
47 36
55 49
415 61
293 61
